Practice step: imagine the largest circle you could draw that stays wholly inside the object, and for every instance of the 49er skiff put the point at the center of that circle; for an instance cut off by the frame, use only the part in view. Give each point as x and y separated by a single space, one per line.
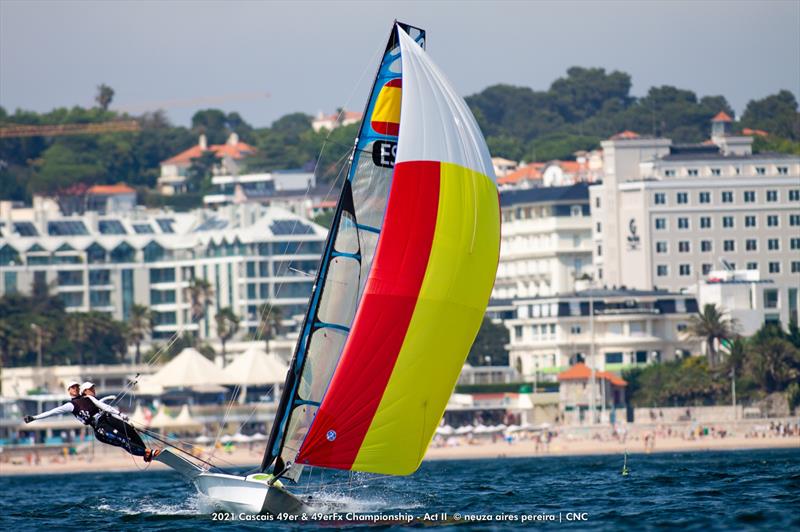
400 292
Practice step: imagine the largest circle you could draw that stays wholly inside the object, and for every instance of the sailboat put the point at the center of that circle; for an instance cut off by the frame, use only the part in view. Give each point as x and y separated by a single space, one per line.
400 293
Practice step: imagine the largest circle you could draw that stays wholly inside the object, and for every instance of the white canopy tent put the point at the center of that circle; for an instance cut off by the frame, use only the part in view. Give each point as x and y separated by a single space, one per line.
254 367
186 370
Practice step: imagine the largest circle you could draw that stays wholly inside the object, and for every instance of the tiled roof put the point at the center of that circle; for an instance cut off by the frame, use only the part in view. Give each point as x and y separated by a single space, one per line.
722 116
120 188
235 151
625 135
532 171
580 372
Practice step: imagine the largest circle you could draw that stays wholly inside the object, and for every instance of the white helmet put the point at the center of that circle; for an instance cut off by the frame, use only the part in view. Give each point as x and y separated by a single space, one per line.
70 384
86 385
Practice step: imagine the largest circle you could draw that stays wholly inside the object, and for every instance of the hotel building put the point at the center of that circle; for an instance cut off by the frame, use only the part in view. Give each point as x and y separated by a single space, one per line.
249 254
666 215
545 242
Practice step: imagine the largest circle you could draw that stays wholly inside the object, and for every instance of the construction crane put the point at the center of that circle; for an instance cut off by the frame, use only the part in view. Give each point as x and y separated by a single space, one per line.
23 130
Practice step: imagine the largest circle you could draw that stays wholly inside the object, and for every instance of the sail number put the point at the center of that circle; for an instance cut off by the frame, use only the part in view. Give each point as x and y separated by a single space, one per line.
384 153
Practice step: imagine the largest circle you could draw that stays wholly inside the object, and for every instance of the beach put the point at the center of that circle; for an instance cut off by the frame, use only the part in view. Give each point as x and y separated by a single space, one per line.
106 459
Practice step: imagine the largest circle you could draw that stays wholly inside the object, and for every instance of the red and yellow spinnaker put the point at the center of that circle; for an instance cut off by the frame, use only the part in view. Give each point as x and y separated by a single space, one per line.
426 291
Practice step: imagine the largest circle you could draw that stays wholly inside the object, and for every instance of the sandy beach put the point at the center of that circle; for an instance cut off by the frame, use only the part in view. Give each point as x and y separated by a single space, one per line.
109 459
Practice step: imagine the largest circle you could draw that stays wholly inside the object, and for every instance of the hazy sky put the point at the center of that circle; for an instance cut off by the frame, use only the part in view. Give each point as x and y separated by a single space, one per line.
310 56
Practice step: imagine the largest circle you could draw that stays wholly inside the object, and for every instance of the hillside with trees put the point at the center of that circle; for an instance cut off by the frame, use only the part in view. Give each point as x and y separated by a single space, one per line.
575 113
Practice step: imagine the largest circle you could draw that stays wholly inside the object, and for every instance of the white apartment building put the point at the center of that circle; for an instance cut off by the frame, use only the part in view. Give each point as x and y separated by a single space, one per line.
666 215
606 329
545 242
249 254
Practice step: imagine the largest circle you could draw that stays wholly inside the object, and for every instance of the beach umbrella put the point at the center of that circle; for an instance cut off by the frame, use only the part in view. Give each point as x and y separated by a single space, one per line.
258 436
241 438
188 369
445 430
466 429
203 439
226 438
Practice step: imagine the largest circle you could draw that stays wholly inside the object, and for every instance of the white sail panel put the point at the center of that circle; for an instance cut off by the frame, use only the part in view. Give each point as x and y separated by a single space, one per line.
436 124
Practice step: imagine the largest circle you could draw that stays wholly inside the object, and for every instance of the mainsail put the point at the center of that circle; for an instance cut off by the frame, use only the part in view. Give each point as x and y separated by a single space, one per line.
404 282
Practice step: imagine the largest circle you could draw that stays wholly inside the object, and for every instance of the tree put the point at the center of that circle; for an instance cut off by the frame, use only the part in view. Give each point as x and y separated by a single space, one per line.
710 325
490 342
200 295
269 324
140 325
105 95
776 114
227 325
774 363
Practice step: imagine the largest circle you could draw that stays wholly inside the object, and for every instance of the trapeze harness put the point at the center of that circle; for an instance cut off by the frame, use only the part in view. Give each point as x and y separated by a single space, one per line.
107 428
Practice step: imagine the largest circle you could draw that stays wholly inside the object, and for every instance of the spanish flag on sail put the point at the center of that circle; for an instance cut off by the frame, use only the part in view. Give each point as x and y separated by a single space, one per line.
386 115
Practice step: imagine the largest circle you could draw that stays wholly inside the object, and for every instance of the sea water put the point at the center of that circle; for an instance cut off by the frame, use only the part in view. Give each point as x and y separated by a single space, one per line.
690 491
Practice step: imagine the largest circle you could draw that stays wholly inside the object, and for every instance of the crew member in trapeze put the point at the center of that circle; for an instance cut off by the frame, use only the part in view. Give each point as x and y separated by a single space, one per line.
109 424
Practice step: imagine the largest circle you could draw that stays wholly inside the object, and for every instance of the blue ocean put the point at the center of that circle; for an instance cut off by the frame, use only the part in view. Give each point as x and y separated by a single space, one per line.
744 490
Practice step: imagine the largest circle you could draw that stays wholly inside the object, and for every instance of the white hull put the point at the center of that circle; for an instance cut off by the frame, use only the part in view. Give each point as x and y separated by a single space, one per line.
252 494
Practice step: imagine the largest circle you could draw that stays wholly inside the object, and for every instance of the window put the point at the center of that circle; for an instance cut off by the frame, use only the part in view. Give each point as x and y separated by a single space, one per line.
99 277
575 329
760 170
683 246
727 196
705 246
661 223
774 267
729 245
794 220
613 358
576 210
685 269
794 194
162 275
772 195
771 298
752 265
683 197
749 221
706 268
773 220
599 227
599 251
727 221
794 243
70 278
158 297
705 222
749 196
705 197
641 357
751 244
597 202
716 172
773 244
796 266
683 223
783 170
692 172
669 173
660 198
661 247
662 270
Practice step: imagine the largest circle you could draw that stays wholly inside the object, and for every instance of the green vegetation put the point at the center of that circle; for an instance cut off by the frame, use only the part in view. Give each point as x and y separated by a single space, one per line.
589 104
31 323
575 113
767 362
489 344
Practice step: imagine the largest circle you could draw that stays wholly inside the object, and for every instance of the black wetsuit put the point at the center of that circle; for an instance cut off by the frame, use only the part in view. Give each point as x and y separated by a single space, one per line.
107 428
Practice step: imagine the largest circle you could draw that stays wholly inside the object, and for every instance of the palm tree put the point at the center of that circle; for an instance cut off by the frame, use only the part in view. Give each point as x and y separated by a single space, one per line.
200 295
709 326
227 325
140 325
270 318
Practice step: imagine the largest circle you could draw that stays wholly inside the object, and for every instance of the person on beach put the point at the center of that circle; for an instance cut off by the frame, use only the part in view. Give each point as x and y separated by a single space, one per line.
109 424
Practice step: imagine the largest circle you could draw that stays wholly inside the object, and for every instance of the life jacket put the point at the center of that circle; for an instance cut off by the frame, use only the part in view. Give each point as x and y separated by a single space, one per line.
84 409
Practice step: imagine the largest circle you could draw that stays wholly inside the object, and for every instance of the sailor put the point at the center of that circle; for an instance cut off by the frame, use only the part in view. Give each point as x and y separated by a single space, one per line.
73 389
111 426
